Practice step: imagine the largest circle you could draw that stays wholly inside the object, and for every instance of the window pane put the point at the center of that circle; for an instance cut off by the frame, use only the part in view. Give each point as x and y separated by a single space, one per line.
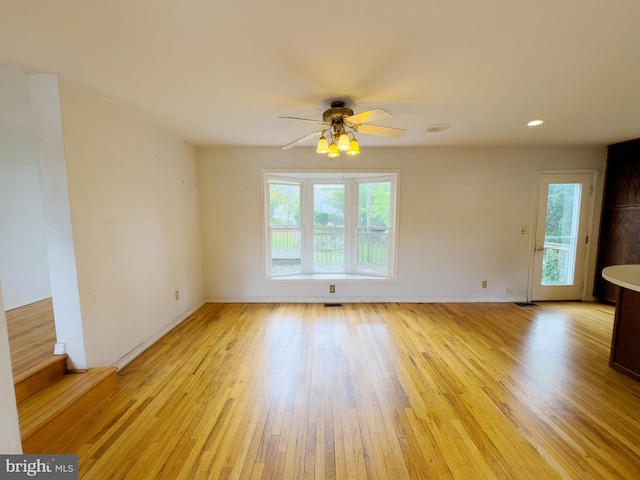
285 252
373 251
284 204
561 234
328 205
328 250
374 201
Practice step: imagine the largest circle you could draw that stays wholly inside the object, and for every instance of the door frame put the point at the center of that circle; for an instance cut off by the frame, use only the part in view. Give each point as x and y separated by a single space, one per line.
590 222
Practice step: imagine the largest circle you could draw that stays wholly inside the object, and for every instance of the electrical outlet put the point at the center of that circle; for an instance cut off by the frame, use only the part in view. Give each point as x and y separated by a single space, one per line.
510 289
177 294
332 289
484 284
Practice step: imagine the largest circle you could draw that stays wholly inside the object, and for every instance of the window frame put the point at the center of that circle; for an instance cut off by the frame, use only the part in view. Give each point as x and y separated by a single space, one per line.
351 180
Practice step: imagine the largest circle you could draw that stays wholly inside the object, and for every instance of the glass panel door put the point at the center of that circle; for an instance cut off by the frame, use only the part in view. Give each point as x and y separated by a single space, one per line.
564 208
561 234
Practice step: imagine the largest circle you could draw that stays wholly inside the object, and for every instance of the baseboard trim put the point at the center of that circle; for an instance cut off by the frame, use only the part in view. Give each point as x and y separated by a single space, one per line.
373 299
26 301
124 360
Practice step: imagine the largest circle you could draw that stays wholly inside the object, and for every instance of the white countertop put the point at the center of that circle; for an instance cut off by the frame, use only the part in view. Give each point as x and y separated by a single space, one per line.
626 276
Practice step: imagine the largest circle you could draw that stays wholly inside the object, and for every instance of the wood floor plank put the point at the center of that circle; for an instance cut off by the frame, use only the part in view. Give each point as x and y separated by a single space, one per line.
408 391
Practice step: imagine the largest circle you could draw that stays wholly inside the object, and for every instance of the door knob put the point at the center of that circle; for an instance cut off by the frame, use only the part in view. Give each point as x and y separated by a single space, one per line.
539 249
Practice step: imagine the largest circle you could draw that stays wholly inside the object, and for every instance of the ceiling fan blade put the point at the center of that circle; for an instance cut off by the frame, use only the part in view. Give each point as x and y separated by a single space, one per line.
384 131
307 120
368 116
302 139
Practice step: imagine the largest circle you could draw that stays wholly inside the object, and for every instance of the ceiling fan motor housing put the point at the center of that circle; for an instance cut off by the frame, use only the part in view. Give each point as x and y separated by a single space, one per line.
336 113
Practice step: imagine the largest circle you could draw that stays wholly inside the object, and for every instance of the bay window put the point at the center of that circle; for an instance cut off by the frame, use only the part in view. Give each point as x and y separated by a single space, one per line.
330 225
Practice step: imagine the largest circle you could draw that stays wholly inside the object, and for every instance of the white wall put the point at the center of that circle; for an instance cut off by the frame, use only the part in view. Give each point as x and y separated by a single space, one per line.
10 441
134 205
23 257
461 213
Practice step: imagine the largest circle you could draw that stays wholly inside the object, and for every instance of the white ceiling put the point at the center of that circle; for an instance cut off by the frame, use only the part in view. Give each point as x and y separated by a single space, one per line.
221 72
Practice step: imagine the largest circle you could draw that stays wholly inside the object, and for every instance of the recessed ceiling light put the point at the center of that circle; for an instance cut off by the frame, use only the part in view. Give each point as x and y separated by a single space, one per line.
436 128
535 123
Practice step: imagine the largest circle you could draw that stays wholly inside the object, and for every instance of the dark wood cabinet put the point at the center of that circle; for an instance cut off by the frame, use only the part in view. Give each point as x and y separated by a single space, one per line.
625 345
620 227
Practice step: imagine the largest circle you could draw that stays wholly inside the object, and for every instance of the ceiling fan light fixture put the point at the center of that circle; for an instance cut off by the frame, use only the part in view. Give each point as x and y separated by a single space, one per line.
343 142
340 124
333 150
323 145
354 148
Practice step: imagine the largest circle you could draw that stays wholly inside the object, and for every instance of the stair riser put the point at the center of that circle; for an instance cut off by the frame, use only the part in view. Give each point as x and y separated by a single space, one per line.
40 379
39 440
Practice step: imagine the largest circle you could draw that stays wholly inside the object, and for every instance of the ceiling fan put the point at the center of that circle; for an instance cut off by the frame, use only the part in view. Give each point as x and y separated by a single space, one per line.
340 123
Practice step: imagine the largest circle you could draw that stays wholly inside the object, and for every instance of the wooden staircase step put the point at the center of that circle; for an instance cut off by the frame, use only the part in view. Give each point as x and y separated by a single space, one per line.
47 414
39 376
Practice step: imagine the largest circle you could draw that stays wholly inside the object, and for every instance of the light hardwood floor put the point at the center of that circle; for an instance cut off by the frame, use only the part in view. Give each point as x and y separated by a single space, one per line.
380 391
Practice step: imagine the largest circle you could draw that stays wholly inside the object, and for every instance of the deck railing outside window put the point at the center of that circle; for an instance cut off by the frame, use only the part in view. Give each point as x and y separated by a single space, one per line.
329 251
558 261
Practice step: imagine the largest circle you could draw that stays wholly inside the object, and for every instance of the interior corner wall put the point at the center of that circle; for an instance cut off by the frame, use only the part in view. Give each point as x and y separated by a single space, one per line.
461 210
23 251
133 192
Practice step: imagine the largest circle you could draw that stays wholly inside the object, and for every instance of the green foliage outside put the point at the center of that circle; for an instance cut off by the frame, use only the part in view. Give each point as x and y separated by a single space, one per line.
560 209
284 204
374 202
321 219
